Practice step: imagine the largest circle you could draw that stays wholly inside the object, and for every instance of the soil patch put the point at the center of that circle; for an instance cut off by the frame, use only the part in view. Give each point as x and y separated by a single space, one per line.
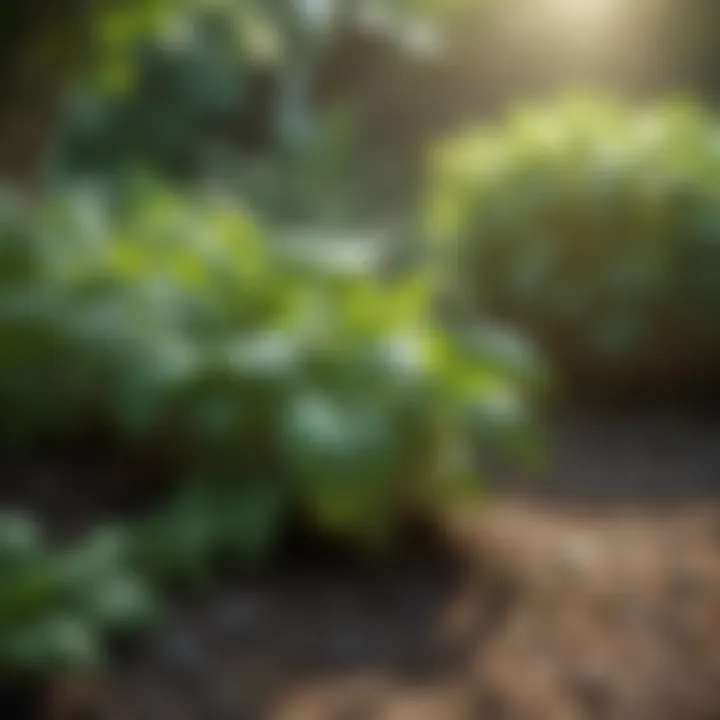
577 615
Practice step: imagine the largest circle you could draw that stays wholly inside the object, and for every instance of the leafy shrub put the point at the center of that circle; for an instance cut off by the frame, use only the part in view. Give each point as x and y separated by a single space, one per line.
596 227
57 607
279 377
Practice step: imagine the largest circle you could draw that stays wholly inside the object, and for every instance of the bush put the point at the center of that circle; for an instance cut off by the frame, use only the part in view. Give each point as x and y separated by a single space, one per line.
278 378
597 228
57 607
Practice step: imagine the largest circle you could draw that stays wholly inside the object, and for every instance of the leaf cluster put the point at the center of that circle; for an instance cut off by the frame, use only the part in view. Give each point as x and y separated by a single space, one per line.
58 607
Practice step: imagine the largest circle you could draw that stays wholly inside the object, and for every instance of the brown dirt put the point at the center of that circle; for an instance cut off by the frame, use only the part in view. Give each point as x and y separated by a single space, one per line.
573 615
616 615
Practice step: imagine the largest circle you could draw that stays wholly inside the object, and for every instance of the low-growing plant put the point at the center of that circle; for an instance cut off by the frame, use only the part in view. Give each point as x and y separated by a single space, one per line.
58 607
356 410
596 227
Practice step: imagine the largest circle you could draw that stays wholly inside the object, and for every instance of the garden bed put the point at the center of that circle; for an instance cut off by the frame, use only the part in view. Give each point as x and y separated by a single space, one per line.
548 604
610 614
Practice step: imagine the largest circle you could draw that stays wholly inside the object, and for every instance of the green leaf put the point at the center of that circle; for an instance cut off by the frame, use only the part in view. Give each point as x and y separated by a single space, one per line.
20 542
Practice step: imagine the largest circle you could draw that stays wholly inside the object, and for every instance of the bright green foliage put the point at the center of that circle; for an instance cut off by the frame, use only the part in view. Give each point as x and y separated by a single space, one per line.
56 608
279 377
595 226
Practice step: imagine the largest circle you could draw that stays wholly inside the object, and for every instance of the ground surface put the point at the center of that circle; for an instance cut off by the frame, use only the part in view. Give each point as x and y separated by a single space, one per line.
608 615
592 595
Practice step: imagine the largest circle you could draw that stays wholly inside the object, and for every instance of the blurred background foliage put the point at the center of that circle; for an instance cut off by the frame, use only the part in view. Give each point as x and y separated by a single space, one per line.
595 227
169 71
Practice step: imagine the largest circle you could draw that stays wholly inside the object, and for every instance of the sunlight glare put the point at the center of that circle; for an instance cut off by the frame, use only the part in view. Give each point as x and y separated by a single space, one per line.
582 14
